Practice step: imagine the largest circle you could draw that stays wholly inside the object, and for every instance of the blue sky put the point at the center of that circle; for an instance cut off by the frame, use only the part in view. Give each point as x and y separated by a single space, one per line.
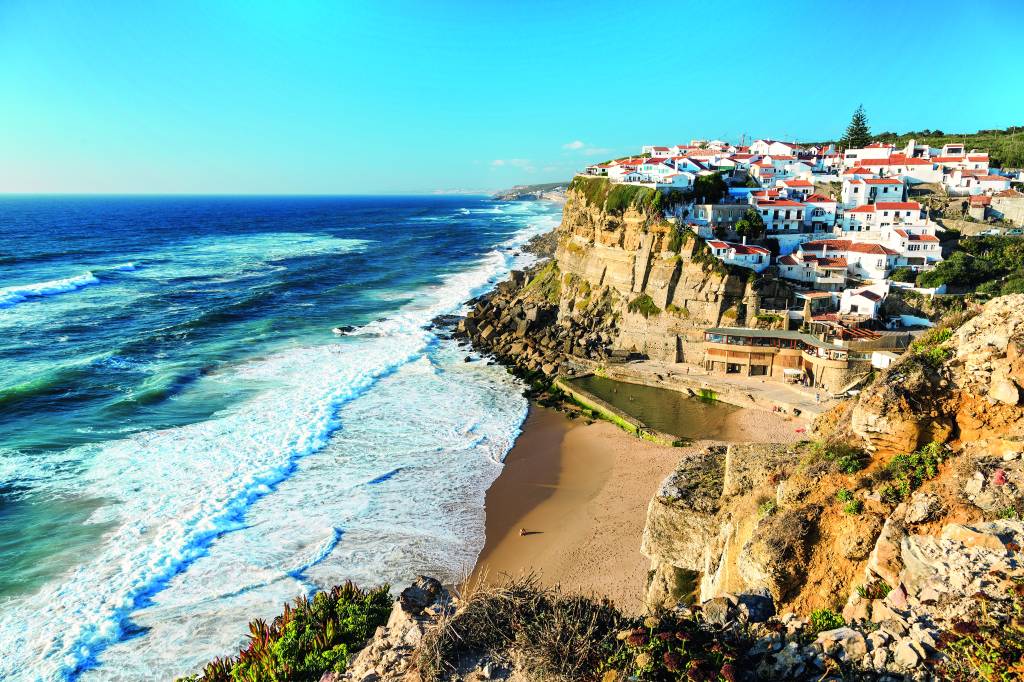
375 97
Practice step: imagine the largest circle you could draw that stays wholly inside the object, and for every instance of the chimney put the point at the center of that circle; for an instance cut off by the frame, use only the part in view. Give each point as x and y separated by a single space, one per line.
744 240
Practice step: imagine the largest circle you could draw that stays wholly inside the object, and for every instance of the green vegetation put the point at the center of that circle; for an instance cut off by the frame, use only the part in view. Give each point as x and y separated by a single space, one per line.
1005 146
824 619
644 305
903 275
307 640
676 241
844 495
857 132
615 198
551 635
928 347
878 589
768 318
909 472
847 458
678 311
991 647
547 282
751 225
709 189
853 507
767 508
992 265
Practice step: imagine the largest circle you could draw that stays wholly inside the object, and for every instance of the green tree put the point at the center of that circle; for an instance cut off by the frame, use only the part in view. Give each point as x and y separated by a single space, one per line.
857 133
751 225
709 189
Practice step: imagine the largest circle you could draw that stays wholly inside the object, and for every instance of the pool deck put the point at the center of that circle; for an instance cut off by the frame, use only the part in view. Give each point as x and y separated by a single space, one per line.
740 391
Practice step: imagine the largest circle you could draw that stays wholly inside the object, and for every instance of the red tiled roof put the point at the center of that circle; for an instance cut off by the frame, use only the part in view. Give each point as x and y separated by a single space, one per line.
993 178
916 237
983 157
882 181
898 205
780 202
980 200
798 183
819 199
789 260
717 244
868 294
840 244
830 263
866 208
867 247
858 170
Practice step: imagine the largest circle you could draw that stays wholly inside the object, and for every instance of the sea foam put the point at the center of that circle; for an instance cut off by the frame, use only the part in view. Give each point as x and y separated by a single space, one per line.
10 296
182 494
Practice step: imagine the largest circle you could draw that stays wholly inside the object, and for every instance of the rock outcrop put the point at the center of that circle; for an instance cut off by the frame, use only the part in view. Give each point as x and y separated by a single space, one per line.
964 385
622 281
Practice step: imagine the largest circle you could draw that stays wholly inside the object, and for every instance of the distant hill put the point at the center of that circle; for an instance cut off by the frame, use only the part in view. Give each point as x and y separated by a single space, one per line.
1005 147
548 190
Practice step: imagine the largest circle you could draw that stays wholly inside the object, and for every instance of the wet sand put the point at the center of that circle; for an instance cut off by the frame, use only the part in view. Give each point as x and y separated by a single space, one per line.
580 492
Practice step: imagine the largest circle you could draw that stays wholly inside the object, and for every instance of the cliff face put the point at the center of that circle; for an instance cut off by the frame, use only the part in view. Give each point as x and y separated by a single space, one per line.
963 385
622 280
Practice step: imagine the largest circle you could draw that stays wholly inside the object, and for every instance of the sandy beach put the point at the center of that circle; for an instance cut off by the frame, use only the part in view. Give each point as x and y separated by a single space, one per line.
580 491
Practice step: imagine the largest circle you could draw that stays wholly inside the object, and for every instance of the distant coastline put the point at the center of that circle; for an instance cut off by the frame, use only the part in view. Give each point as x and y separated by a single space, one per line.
549 191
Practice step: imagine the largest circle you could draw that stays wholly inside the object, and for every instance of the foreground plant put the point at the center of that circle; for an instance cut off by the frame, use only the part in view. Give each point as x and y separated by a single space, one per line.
310 638
989 648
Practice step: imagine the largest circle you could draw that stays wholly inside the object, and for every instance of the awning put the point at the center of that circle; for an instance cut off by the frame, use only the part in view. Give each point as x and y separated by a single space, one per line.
793 372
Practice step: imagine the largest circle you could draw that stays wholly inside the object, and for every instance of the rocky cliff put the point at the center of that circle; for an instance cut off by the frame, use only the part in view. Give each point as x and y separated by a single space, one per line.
905 511
622 280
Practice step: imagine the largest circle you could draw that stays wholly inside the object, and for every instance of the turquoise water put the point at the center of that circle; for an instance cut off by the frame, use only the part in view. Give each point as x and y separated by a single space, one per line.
185 444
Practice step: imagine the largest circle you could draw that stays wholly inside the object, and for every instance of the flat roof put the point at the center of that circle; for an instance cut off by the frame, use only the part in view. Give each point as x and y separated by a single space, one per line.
769 334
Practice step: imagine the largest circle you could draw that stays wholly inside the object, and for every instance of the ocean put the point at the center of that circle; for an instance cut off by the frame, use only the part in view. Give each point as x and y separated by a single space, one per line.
184 442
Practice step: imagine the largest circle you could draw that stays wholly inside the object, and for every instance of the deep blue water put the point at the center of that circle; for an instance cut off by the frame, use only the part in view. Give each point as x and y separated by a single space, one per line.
184 443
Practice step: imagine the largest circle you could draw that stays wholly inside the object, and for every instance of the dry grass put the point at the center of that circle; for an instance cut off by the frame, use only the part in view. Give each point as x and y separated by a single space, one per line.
539 630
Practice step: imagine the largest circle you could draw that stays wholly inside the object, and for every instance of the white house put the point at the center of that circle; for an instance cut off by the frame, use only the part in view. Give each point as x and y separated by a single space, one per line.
782 215
863 301
912 170
754 257
656 151
865 260
875 151
823 273
872 221
859 191
820 213
796 188
764 147
918 248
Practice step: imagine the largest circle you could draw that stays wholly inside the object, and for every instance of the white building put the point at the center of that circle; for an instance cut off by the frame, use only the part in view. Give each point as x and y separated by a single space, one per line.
782 215
820 213
875 151
765 147
754 257
858 191
864 300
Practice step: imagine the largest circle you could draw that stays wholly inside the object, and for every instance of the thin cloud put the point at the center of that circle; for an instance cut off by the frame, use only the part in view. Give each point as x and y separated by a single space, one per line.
522 164
584 149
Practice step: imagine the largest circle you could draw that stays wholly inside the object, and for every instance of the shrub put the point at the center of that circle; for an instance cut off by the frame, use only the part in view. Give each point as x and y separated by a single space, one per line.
903 275
310 638
670 648
847 458
909 472
877 589
844 495
680 311
547 283
990 647
853 507
551 634
767 508
825 619
644 305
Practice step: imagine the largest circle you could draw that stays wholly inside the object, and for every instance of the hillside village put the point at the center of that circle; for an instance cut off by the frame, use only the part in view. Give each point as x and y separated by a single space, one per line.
843 228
